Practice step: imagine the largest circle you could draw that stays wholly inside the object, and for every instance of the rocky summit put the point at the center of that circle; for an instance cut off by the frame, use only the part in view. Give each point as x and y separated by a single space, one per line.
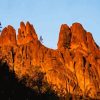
74 67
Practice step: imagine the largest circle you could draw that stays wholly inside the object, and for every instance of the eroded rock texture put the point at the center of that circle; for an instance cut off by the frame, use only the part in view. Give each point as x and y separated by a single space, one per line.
73 67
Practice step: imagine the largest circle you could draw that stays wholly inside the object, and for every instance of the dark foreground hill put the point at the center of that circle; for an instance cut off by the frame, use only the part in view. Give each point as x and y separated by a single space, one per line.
13 89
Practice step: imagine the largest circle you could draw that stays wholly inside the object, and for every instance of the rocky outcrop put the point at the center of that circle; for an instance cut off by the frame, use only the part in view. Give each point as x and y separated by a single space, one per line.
64 37
8 36
26 34
73 67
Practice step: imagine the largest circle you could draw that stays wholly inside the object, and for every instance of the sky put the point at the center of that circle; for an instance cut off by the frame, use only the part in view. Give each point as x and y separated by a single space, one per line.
48 15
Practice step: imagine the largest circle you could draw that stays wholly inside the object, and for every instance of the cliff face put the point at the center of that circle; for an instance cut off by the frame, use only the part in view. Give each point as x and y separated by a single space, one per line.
73 67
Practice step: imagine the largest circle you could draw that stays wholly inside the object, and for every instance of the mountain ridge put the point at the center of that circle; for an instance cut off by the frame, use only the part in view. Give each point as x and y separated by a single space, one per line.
72 68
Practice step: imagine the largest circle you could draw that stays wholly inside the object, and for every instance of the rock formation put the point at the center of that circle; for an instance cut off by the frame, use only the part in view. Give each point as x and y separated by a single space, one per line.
73 67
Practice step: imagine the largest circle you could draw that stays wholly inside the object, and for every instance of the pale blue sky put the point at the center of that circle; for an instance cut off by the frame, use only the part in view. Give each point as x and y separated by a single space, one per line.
48 15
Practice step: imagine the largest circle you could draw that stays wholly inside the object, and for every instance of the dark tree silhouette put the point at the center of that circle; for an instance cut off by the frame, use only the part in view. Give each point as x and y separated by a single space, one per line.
41 39
0 26
13 89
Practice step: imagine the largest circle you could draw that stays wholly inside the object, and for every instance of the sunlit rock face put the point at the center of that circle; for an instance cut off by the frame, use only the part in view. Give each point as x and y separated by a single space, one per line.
73 67
26 34
8 36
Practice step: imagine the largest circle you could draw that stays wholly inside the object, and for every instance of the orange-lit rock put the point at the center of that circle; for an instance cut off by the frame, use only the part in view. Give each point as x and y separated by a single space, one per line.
78 36
8 36
64 37
73 67
26 34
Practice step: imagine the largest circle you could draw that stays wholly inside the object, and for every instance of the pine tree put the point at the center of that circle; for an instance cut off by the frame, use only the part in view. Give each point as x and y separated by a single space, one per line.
0 26
41 39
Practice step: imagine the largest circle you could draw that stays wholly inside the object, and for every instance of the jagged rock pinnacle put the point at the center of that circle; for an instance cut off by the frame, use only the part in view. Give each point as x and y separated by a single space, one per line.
26 33
8 36
75 63
64 37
